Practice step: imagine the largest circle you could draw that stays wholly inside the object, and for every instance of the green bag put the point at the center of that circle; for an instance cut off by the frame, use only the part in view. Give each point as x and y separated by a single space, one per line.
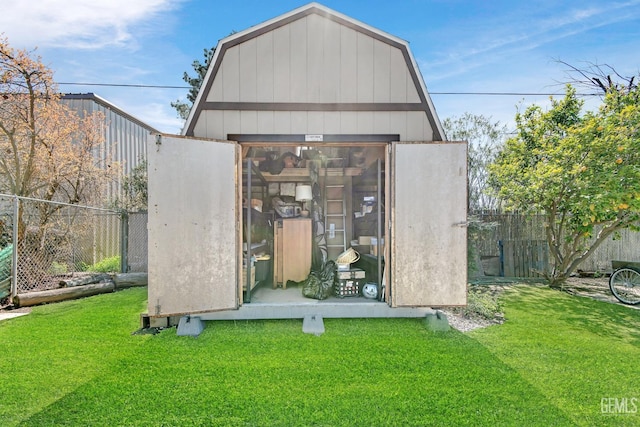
319 285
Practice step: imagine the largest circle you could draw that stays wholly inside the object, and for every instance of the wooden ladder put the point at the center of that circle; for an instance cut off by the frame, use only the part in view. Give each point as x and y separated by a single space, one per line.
335 216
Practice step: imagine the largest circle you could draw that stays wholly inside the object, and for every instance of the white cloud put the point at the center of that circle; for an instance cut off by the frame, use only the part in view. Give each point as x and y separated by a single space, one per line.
504 39
77 23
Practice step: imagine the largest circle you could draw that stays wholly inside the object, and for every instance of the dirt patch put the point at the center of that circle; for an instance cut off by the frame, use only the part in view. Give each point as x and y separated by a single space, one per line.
11 309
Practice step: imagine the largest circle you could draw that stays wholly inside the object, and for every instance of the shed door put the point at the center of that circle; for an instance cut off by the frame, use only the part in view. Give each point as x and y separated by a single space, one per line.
429 237
192 226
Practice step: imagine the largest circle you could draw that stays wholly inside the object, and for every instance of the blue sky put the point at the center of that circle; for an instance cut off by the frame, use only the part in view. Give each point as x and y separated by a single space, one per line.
459 45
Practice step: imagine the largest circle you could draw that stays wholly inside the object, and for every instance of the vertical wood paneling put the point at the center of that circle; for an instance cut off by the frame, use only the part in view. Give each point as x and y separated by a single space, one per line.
331 63
215 94
332 122
315 58
364 121
348 122
398 122
282 122
381 122
398 76
299 122
298 60
266 121
315 122
265 68
231 75
231 123
365 67
202 126
248 63
412 91
415 126
348 65
427 130
381 71
248 122
281 64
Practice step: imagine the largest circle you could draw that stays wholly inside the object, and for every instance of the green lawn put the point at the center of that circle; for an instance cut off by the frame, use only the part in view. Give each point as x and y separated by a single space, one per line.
552 363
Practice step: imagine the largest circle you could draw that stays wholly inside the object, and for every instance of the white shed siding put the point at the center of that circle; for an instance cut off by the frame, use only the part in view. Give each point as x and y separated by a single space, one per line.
298 60
265 73
266 122
364 67
231 76
348 64
306 65
281 67
313 60
410 125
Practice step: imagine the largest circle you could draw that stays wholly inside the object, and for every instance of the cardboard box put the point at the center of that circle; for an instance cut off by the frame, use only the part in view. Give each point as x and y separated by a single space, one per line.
244 277
365 240
374 246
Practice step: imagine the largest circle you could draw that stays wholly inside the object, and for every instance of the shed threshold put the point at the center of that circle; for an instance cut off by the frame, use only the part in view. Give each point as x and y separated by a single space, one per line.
326 309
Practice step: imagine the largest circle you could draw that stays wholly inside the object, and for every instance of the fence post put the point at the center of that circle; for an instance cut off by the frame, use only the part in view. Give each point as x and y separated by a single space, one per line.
124 241
14 237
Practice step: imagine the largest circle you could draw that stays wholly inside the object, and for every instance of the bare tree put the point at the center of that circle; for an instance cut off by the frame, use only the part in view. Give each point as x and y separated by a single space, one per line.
602 77
485 141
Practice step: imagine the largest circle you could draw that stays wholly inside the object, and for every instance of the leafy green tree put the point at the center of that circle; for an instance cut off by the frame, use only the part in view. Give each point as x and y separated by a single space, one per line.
580 170
134 189
485 140
183 108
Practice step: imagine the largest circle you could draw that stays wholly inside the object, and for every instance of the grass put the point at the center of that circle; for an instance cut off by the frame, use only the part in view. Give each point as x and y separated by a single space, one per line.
107 265
552 362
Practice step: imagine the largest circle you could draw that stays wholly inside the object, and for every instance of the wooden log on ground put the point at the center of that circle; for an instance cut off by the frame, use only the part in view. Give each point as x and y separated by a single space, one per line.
85 280
128 280
62 294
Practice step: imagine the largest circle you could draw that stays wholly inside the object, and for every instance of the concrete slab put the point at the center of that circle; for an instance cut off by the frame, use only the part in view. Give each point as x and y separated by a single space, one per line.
325 309
313 324
437 321
191 326
6 316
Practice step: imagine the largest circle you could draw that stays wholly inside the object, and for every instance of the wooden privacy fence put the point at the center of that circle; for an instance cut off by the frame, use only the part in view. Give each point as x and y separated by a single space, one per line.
524 251
524 258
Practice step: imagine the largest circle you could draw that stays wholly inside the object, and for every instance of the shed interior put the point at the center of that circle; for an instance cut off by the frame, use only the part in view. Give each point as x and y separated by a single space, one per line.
305 204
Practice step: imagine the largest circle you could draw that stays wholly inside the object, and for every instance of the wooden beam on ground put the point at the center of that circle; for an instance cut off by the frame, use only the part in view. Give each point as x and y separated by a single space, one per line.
128 280
85 280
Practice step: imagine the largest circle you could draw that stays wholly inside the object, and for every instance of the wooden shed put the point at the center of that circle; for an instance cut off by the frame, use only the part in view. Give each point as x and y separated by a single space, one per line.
313 138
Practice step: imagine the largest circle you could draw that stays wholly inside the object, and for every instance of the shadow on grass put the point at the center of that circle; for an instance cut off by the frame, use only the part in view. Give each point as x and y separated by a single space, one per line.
382 372
603 319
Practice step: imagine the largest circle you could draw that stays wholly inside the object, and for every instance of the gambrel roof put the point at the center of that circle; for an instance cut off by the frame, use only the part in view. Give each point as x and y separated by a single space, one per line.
313 70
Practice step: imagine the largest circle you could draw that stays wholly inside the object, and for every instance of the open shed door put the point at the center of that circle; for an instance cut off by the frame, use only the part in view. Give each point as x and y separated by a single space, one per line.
429 236
193 200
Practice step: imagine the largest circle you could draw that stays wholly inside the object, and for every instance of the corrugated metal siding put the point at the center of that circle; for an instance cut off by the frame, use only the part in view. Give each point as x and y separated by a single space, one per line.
125 140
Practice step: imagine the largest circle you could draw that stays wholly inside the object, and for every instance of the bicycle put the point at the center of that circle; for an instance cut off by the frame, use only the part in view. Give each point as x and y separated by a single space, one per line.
625 282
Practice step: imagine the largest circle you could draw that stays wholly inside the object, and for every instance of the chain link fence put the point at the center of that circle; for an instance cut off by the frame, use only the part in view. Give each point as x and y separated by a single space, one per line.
42 242
137 242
